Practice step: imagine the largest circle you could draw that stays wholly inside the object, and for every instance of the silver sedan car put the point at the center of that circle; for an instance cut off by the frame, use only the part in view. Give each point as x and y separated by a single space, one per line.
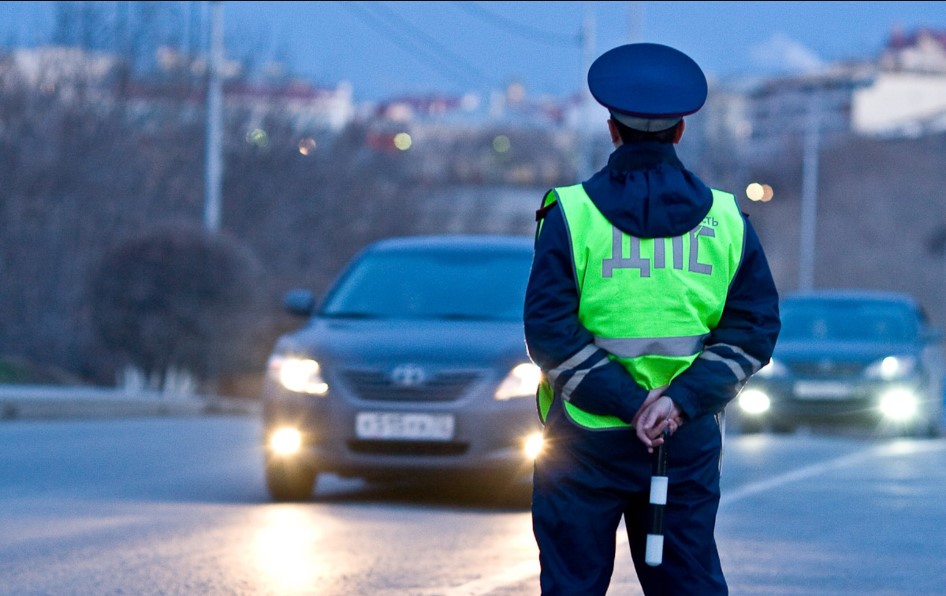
414 364
861 357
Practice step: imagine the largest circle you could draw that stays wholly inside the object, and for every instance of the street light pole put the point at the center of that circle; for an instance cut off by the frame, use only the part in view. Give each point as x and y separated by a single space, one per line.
584 121
214 162
809 199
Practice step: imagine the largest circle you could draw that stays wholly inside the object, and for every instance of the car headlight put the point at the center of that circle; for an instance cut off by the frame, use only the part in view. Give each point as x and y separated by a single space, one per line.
532 446
285 441
753 401
773 369
302 375
522 381
899 404
891 367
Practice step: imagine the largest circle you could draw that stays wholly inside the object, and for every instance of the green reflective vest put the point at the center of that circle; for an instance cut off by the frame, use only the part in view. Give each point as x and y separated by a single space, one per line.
649 302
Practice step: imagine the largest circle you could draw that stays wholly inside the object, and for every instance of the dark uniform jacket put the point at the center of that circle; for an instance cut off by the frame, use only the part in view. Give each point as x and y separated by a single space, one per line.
646 192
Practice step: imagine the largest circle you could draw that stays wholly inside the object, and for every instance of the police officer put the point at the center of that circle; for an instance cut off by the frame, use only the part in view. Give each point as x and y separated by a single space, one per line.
649 305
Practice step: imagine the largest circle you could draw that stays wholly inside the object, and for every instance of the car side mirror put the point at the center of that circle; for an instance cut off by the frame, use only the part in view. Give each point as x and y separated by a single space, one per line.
299 302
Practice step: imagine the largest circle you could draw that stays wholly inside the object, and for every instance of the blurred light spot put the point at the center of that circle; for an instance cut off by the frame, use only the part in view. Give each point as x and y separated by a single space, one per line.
286 553
754 191
759 192
258 137
286 441
889 367
899 404
470 102
398 112
521 381
533 445
767 193
501 144
515 93
403 141
307 146
753 401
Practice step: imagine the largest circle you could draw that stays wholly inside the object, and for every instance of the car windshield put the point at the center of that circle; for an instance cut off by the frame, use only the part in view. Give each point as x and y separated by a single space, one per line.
847 320
433 284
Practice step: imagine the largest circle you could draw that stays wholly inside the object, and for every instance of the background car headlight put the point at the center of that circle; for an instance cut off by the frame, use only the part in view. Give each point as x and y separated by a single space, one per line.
773 369
302 375
891 367
753 401
522 381
899 404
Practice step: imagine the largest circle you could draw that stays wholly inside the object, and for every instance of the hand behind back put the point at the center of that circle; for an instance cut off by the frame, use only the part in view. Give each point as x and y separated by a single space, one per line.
657 414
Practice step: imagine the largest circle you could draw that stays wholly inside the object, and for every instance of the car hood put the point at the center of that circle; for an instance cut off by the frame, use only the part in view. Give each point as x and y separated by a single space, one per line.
380 342
847 350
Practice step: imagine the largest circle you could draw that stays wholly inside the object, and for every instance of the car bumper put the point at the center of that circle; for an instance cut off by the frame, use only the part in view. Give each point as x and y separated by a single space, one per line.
837 401
486 435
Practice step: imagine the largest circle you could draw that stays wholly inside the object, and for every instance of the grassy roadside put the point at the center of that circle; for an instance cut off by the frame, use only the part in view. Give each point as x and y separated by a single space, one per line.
17 371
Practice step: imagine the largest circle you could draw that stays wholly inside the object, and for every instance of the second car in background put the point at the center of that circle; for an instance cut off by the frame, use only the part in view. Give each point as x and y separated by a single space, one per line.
850 357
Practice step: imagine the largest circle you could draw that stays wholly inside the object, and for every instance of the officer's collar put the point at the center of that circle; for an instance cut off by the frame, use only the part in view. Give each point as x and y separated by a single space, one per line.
643 155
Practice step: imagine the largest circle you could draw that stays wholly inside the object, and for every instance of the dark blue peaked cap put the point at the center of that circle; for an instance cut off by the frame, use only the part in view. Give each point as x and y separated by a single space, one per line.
647 80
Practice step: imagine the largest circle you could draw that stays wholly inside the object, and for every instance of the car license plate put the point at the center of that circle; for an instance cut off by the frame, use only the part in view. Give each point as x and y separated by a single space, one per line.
822 390
399 426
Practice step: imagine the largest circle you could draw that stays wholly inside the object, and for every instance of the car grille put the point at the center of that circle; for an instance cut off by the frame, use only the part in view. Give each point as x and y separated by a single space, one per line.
824 369
413 448
377 386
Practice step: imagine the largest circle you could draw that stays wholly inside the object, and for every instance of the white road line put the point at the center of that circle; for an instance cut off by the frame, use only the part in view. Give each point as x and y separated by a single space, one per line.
891 449
524 570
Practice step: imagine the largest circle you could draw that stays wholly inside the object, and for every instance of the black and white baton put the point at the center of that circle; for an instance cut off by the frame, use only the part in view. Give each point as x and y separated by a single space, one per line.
658 498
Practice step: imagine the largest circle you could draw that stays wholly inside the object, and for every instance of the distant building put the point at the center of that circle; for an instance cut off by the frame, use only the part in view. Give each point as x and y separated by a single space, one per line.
511 106
787 107
923 51
901 104
178 85
62 71
900 93
908 94
506 138
307 106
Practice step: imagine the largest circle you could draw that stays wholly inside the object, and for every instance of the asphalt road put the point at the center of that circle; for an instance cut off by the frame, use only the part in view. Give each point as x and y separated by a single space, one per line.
177 505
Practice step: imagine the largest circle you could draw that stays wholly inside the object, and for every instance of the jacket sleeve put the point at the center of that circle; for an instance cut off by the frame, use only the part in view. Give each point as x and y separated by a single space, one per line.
579 371
741 343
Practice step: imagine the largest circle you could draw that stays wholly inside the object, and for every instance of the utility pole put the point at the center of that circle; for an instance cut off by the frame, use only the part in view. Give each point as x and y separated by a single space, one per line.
635 21
586 117
214 162
809 197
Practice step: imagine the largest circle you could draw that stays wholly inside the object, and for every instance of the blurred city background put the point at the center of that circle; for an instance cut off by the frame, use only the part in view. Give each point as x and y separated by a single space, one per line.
160 193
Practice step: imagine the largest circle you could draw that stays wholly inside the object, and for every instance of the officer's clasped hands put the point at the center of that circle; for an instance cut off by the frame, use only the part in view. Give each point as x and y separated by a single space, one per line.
657 414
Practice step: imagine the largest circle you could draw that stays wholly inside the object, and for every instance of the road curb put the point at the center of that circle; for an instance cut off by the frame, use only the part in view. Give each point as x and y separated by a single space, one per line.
41 402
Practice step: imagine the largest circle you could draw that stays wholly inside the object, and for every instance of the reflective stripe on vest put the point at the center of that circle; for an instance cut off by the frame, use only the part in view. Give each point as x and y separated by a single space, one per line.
623 280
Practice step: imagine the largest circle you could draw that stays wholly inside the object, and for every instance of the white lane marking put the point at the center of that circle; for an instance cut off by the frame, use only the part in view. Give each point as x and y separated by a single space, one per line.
530 569
897 448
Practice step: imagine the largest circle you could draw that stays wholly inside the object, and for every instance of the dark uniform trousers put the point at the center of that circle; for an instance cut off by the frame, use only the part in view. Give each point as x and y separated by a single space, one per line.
586 480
